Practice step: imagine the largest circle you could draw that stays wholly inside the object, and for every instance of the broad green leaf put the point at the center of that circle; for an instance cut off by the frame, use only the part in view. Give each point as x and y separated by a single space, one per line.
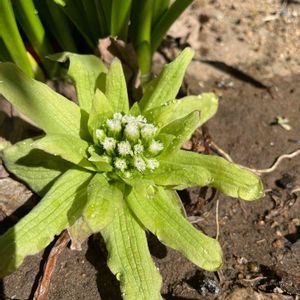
50 111
84 70
116 90
59 209
173 174
67 147
152 207
12 39
101 110
206 103
182 129
213 171
175 200
101 162
35 167
129 258
135 109
103 199
166 85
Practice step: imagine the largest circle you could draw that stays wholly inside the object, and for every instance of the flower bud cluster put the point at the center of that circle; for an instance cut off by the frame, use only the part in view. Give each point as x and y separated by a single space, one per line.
130 142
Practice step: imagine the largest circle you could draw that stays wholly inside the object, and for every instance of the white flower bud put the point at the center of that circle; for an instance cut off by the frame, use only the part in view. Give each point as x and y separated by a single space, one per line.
155 147
132 132
138 149
120 164
148 131
124 148
118 116
109 144
100 134
152 164
128 119
114 127
140 164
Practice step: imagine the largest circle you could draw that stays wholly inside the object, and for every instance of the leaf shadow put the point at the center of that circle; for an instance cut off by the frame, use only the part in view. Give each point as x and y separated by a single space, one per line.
108 285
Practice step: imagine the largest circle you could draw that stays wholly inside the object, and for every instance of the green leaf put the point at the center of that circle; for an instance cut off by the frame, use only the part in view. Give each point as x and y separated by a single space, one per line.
103 199
31 25
159 8
84 70
206 103
101 111
166 20
58 23
75 11
166 85
182 129
52 112
10 34
101 162
129 258
35 167
152 207
67 147
175 200
116 90
209 170
120 13
173 174
59 209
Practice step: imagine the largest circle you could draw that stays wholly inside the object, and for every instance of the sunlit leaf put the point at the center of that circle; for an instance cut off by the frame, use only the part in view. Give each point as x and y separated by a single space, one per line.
35 167
59 209
49 110
166 85
84 70
129 258
152 207
116 90
67 147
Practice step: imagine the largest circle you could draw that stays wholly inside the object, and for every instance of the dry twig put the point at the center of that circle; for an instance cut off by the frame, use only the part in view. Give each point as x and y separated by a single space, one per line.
259 172
217 220
44 282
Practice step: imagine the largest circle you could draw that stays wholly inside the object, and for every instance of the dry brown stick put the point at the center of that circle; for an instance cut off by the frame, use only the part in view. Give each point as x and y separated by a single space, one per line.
278 160
44 282
217 220
276 163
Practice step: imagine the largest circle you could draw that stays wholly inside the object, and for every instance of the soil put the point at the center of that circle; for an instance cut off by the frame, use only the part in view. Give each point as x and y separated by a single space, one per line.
261 239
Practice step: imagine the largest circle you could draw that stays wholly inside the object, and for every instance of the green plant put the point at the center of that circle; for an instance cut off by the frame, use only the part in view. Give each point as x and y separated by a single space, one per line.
106 167
76 26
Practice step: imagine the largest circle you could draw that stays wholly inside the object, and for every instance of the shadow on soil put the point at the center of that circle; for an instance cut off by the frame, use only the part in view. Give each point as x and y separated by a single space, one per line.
107 284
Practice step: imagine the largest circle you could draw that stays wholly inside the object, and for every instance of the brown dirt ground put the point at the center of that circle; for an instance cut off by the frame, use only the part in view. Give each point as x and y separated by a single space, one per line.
260 240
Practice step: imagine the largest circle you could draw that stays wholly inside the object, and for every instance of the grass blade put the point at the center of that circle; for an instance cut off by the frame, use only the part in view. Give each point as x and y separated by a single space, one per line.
12 38
159 8
120 13
59 25
167 19
74 13
34 30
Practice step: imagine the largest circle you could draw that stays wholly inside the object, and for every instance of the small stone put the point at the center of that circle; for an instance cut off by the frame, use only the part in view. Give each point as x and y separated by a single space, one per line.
278 244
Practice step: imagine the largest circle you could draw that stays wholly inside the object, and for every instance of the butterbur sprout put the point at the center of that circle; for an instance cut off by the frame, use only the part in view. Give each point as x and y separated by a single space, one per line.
105 167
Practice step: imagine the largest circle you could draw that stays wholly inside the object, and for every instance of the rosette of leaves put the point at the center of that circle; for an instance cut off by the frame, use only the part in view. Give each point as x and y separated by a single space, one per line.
103 166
